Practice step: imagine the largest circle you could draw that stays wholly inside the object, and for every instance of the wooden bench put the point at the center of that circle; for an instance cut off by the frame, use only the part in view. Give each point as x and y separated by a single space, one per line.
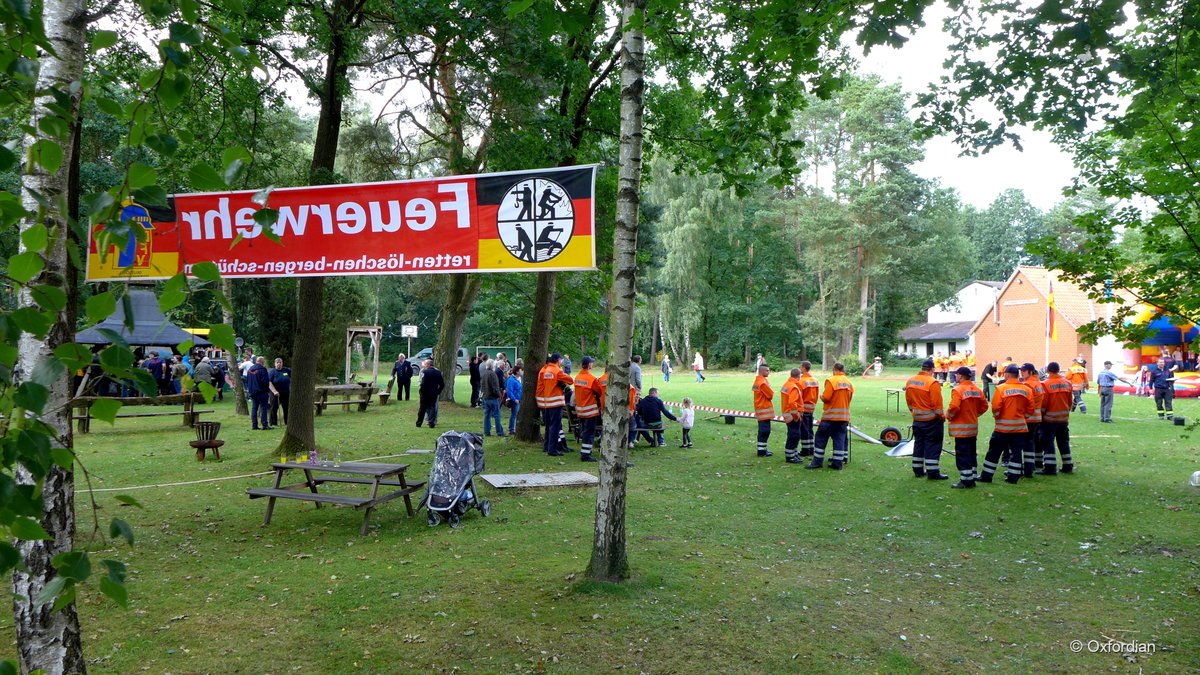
82 409
352 394
384 396
360 473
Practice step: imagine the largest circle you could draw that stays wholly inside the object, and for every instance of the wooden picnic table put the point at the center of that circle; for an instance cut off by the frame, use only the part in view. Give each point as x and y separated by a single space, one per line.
897 394
352 395
360 473
82 408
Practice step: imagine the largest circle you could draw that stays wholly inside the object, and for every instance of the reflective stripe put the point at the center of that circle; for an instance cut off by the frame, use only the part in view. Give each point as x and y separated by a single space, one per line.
1056 416
810 407
924 415
1011 426
1035 416
551 401
964 429
588 410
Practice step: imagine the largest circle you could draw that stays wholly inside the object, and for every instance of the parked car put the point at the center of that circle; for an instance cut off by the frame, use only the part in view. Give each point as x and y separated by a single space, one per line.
427 353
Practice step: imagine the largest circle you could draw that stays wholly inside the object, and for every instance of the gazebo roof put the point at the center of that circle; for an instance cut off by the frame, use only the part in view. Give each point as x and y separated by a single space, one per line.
150 326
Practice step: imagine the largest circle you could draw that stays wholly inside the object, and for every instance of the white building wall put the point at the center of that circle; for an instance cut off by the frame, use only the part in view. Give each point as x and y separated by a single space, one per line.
921 348
974 301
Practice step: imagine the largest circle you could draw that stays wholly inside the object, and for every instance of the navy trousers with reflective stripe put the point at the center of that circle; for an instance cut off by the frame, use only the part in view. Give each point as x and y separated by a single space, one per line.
552 419
965 457
927 445
764 433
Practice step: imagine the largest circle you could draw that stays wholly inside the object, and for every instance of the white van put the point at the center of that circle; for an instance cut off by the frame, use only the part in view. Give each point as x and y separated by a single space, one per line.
427 353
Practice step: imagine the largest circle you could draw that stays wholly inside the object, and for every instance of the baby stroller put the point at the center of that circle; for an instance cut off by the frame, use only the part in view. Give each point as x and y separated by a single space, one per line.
451 491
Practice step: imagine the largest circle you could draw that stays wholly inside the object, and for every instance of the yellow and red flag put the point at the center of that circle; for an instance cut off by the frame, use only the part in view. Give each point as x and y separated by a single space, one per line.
1051 329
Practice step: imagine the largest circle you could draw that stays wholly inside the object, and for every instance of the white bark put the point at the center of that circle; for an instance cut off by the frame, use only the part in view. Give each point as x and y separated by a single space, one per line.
49 640
864 304
609 559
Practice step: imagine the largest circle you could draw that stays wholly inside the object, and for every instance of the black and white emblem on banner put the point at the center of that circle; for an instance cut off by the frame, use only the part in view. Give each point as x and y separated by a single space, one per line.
536 220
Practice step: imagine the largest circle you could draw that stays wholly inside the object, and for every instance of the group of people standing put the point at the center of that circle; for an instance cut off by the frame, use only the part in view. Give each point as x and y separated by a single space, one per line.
798 401
1031 420
269 391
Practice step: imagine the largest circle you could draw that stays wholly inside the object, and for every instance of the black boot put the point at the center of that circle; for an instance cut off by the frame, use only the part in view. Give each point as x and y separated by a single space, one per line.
963 484
937 476
815 464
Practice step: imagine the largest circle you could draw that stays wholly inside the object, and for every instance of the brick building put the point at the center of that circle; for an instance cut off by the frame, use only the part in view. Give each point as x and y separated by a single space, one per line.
1016 324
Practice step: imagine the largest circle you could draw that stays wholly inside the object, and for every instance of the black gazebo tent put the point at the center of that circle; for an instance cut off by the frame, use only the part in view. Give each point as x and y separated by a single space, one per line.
150 327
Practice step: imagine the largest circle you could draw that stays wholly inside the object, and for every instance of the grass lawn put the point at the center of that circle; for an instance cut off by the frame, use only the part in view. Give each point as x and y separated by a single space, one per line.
740 564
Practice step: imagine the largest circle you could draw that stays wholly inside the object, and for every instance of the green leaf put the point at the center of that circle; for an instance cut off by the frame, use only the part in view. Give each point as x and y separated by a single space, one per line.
169 300
8 159
129 501
515 8
110 107
206 271
32 396
185 347
163 144
235 153
74 356
47 153
32 320
10 557
48 371
151 195
73 565
141 175
25 266
221 335
204 178
120 528
101 306
115 590
106 409
185 34
114 337
172 90
51 298
62 457
28 529
266 218
35 238
208 391
103 39
51 591
55 127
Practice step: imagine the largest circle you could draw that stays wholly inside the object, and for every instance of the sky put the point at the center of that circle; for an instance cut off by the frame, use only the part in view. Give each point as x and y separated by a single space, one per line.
1041 171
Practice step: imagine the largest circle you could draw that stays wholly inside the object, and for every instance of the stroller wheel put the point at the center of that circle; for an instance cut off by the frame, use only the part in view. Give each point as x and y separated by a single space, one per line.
454 519
433 518
485 508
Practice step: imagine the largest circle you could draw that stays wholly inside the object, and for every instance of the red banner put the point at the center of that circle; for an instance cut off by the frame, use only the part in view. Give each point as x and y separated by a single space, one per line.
504 222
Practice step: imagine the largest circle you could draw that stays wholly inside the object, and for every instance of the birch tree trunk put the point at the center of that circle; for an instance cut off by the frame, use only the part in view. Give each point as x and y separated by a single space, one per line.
864 298
235 373
50 640
609 558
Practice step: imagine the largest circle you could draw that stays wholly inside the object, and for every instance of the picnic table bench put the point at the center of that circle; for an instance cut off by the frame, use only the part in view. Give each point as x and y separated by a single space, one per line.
892 393
357 473
352 394
82 408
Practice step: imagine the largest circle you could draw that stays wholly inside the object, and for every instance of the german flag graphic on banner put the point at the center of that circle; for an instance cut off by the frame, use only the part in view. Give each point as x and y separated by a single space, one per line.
501 222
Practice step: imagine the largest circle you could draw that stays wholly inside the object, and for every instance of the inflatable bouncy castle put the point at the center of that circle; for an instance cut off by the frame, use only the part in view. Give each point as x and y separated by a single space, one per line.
1164 339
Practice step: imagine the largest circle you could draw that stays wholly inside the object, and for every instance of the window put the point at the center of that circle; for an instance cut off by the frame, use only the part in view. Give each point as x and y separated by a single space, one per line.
928 349
953 347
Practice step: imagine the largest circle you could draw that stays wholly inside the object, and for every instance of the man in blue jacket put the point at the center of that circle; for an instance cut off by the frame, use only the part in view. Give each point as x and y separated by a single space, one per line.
651 410
258 387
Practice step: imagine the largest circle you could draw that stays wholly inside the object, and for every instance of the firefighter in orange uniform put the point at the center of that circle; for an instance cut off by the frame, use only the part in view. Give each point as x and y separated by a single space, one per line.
551 399
791 403
1010 403
764 408
923 394
953 363
1078 377
810 391
1056 413
835 419
966 405
1033 419
939 365
587 407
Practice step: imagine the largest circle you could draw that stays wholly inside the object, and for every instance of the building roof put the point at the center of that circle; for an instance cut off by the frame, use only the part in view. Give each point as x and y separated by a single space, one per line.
1071 300
150 327
993 284
932 332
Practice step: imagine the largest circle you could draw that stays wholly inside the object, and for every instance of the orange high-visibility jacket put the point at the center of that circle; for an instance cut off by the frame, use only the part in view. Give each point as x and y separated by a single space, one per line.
549 393
790 401
1009 405
970 360
955 361
601 385
633 399
924 397
966 405
809 393
1038 399
1078 377
764 407
1056 406
836 397
586 403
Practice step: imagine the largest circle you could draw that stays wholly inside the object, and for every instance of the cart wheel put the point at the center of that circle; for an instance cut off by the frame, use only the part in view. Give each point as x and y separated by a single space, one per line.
454 519
891 437
485 507
433 518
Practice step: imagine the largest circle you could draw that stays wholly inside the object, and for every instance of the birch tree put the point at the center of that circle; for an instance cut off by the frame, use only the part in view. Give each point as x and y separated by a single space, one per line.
609 559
